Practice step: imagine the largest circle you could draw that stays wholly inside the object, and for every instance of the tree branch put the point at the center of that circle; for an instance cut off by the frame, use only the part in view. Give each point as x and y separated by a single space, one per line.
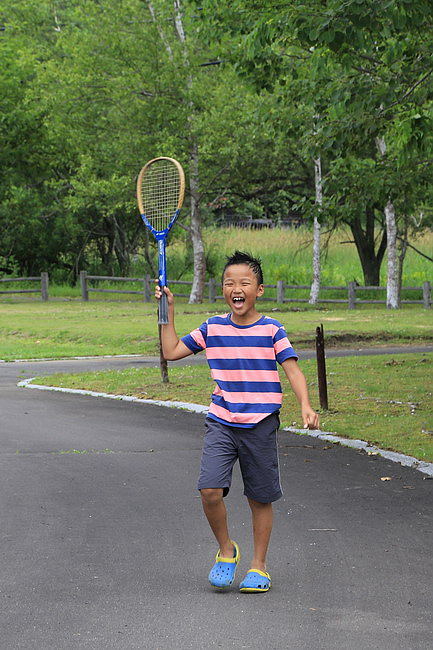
430 259
409 91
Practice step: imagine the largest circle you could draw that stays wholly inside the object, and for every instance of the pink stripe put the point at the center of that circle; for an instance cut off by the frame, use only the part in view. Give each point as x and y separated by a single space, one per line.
198 338
245 375
237 418
250 398
228 330
240 353
281 345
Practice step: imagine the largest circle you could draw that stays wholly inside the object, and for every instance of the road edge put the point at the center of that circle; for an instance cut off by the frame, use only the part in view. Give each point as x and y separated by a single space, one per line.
360 445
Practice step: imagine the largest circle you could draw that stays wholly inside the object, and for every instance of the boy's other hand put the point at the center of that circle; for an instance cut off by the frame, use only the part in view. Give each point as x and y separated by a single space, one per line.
310 418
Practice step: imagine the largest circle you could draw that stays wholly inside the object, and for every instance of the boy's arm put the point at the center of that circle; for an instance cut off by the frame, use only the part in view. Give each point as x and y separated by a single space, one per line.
172 347
299 386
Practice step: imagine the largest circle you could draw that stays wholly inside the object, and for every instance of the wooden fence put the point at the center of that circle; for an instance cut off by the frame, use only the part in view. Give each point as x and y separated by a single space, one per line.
86 289
42 289
351 291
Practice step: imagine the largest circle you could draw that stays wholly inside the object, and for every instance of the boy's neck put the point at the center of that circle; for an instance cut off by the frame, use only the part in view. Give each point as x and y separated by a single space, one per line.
248 319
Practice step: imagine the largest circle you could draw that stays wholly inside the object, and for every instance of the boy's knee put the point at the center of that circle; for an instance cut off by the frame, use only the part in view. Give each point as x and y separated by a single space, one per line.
258 505
211 496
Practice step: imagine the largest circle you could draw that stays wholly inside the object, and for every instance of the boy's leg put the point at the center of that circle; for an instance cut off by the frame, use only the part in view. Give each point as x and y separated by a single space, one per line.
216 514
218 457
258 455
262 517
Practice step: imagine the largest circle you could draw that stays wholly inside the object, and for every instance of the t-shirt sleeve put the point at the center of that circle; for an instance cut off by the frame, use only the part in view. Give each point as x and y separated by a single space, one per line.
282 346
196 340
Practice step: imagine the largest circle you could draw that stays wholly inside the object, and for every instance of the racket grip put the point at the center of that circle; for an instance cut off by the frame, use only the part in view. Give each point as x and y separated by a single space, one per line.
163 310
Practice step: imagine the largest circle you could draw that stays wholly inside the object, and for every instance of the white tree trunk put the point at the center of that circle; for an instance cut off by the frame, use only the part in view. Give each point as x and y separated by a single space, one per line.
197 289
160 30
315 285
392 285
393 278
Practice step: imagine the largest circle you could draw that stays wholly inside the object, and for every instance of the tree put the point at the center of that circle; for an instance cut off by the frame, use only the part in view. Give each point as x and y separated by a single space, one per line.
315 286
365 68
195 229
31 239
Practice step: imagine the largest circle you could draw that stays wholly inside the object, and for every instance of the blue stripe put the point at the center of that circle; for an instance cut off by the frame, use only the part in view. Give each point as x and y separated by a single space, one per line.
239 342
243 364
288 353
218 320
250 386
235 407
281 334
191 344
237 425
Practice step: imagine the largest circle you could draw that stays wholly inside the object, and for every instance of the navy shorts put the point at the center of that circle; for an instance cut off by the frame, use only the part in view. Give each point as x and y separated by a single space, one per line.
257 451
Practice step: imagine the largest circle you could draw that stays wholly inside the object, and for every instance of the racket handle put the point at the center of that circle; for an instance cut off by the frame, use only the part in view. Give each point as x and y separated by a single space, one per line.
163 310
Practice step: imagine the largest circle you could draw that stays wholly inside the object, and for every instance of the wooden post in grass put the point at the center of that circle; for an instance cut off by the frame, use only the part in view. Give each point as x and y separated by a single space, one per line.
162 360
146 288
44 286
83 284
351 290
426 295
321 368
212 290
280 291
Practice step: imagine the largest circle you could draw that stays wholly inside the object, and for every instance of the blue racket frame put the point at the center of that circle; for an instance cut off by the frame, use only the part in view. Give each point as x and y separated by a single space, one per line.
161 238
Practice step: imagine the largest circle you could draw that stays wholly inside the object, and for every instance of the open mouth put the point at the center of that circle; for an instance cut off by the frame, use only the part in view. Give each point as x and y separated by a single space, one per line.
238 300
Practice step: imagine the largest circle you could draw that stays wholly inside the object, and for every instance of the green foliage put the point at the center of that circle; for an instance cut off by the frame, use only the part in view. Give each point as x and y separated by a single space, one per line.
356 72
90 91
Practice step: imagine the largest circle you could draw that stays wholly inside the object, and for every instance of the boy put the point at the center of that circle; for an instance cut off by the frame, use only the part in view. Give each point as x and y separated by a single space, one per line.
242 349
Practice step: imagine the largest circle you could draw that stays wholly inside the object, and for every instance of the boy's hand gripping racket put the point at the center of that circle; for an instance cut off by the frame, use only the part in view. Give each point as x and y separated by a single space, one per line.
160 192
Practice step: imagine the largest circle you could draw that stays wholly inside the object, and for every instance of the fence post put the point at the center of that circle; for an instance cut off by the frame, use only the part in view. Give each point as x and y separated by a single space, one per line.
146 288
426 294
44 286
212 290
351 294
83 283
280 291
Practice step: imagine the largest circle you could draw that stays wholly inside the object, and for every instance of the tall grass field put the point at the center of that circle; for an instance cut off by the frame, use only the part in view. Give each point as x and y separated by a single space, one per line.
286 255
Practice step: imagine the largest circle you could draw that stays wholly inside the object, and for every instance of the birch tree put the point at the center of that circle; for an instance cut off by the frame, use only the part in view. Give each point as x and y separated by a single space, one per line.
392 284
315 286
197 289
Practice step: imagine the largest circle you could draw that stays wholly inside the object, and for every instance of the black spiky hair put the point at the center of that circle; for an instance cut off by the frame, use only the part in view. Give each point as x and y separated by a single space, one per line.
240 257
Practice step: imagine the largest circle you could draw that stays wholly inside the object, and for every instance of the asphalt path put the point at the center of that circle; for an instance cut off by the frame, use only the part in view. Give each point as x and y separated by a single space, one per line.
104 544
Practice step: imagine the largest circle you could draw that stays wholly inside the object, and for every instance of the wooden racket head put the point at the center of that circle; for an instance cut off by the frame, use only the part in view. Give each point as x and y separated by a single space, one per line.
160 193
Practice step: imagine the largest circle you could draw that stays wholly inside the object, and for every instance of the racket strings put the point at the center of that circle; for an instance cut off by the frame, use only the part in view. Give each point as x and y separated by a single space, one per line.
160 194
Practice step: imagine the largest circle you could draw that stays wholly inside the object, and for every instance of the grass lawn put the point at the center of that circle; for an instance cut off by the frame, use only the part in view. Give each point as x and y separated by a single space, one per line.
383 400
64 329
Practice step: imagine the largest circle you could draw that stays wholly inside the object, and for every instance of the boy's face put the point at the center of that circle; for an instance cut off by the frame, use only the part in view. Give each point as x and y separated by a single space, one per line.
240 291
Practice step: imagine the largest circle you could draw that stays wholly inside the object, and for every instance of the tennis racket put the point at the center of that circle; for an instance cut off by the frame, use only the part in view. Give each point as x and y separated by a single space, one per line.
160 192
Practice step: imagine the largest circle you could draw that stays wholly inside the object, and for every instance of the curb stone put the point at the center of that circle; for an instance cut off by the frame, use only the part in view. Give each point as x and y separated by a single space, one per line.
361 445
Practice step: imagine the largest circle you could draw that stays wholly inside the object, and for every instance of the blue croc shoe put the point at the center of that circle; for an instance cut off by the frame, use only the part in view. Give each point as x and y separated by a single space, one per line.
255 582
223 571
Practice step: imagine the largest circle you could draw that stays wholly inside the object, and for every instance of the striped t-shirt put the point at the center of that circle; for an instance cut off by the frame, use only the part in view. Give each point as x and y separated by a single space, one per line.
243 363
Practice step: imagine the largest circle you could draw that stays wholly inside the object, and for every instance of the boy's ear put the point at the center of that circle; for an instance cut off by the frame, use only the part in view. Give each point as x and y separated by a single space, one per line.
260 290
